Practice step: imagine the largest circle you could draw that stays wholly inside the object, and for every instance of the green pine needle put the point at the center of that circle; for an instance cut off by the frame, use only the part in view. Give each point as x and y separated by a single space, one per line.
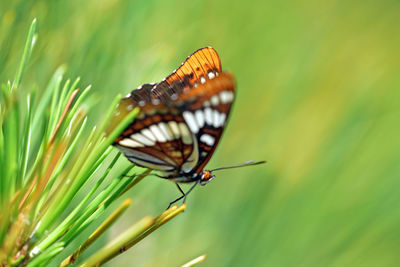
49 158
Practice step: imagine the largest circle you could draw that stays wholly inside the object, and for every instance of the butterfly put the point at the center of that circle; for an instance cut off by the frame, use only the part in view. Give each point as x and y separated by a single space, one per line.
181 120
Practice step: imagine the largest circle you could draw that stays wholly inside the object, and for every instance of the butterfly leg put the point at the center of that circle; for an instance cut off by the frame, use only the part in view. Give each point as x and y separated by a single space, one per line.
144 175
141 175
184 195
179 198
187 193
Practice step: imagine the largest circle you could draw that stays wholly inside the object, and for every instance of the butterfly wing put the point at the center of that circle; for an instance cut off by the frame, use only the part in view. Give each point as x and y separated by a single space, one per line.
206 109
204 94
158 138
203 63
181 119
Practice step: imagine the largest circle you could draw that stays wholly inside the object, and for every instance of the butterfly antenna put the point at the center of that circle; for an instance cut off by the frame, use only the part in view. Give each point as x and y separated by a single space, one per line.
248 163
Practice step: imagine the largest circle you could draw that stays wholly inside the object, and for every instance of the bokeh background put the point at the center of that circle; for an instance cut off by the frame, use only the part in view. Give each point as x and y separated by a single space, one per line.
318 97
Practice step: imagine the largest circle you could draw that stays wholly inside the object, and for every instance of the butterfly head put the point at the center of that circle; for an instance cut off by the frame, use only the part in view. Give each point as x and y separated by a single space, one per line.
206 177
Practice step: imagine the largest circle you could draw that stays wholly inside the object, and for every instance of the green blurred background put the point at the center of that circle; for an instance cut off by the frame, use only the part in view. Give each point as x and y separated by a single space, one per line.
318 98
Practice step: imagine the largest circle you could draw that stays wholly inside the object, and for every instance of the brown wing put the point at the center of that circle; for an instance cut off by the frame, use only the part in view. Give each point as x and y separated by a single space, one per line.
194 70
158 138
136 98
205 110
181 119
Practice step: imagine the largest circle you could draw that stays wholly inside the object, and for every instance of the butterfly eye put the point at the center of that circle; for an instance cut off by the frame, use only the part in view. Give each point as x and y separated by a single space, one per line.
206 177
